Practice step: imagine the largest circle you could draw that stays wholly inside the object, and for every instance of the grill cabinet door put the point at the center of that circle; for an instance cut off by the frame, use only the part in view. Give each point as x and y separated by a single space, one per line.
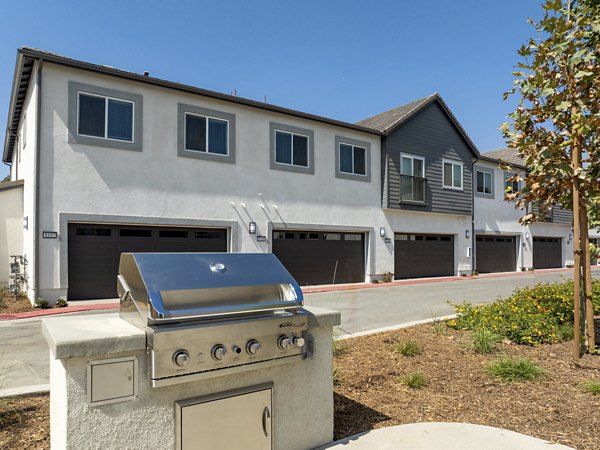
240 421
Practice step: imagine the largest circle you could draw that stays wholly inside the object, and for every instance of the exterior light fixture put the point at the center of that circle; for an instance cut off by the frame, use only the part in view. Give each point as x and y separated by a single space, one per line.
26 222
570 236
526 235
252 228
467 234
382 231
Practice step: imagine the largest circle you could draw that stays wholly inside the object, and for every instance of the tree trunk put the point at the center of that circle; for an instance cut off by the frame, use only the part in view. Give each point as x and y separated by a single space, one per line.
578 307
587 279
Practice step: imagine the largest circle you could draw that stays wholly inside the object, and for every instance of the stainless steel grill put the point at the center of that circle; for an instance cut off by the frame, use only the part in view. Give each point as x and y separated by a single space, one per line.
209 314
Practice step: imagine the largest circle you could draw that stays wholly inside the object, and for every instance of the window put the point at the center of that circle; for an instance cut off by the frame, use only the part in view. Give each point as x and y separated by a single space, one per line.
484 182
453 175
412 166
353 159
206 134
510 187
104 117
291 148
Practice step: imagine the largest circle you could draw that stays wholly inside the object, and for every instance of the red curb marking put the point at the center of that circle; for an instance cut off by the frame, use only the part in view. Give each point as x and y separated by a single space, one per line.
55 311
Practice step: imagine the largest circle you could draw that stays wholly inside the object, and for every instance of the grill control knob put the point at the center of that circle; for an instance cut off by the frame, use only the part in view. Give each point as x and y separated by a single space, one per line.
218 352
299 341
284 342
253 347
181 358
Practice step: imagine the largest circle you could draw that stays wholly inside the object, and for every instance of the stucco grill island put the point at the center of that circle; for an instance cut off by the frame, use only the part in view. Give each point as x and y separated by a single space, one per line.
215 347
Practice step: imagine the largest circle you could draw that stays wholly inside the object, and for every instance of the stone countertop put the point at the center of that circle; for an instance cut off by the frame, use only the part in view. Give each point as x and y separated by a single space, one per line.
102 334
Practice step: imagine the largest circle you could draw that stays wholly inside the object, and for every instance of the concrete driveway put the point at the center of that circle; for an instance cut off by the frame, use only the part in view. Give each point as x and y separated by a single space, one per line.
24 353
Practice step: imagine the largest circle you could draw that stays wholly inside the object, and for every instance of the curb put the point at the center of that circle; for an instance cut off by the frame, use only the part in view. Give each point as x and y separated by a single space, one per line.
25 390
393 327
55 311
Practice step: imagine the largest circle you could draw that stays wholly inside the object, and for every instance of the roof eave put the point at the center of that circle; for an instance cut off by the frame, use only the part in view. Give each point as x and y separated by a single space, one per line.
500 161
11 108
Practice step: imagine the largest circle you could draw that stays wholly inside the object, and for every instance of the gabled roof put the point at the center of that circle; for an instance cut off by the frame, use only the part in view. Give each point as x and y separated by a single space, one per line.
27 55
388 121
504 155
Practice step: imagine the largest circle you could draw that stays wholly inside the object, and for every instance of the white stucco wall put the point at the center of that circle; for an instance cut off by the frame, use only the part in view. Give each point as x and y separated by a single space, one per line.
495 216
11 226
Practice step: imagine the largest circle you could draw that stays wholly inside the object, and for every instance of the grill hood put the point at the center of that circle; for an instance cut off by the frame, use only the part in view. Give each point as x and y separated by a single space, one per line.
160 288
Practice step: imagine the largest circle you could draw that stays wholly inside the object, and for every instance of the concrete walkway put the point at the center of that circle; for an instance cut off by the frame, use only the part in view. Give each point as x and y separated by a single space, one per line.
447 436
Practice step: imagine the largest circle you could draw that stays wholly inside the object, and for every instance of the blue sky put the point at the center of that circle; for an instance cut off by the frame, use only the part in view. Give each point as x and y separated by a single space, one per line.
342 59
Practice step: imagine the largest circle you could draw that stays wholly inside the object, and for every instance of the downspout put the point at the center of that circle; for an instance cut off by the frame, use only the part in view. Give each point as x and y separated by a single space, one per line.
473 240
36 169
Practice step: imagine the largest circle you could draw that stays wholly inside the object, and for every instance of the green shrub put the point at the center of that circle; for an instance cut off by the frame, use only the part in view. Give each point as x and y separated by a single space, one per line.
565 332
484 341
530 316
388 277
511 369
591 386
61 303
414 380
41 303
408 348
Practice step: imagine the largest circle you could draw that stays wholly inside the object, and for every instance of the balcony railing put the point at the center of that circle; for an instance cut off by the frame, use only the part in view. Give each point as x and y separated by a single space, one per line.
545 213
413 189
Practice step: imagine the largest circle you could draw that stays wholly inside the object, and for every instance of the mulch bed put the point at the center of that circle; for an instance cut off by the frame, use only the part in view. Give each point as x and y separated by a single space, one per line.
25 422
10 305
369 393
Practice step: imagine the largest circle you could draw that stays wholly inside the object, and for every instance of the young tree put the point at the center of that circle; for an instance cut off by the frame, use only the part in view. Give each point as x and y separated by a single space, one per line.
556 129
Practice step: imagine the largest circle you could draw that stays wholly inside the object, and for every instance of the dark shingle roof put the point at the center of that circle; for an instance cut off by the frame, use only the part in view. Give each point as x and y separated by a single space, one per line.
390 119
507 155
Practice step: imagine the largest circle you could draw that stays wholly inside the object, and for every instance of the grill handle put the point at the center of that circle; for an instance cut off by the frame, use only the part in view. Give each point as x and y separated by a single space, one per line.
266 420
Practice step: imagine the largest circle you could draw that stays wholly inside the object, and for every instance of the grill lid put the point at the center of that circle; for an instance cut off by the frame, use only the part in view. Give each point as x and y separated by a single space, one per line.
166 287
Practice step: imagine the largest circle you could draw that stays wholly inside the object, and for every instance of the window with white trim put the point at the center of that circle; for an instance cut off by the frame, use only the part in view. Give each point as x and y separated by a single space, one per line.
484 182
413 166
453 175
291 148
206 134
353 159
105 117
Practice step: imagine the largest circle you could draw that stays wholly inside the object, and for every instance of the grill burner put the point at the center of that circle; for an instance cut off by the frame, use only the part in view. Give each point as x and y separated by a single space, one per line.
209 314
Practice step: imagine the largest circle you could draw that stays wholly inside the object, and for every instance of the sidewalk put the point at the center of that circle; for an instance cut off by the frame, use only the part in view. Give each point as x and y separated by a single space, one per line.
437 435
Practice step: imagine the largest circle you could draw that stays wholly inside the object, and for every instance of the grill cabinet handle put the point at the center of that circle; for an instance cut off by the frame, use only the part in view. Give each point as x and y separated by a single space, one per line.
266 420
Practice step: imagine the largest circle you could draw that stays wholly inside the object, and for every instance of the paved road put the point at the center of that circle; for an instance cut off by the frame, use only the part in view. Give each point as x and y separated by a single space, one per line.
24 354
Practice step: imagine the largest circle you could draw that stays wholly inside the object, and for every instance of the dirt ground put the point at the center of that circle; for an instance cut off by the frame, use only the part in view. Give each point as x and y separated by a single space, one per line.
369 393
25 422
10 305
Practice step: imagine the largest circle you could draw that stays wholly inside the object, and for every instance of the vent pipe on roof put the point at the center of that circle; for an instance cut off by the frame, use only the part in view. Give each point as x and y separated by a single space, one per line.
146 73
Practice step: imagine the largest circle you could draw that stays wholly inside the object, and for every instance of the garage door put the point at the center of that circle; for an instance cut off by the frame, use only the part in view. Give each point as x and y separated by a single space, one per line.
94 252
423 255
496 254
314 257
547 252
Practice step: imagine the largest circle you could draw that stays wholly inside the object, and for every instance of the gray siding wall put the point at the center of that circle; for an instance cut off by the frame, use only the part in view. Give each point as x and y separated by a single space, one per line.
429 134
560 214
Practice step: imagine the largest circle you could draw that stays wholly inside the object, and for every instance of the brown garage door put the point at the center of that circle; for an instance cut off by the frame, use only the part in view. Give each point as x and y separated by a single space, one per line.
314 257
496 254
94 252
423 255
547 252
